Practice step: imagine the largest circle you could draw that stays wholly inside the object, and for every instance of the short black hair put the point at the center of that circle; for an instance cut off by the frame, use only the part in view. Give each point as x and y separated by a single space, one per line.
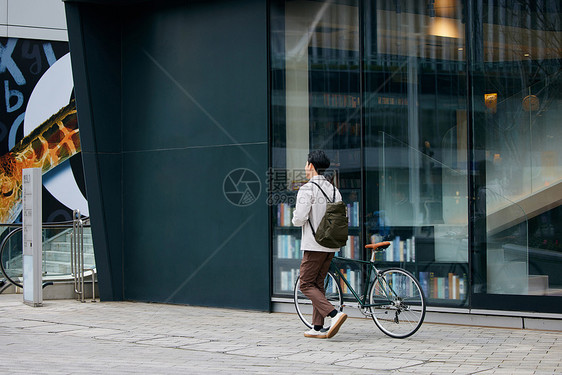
319 160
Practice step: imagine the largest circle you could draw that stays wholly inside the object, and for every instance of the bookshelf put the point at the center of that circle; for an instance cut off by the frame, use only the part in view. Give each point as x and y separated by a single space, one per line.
445 283
437 259
354 276
442 282
401 249
287 240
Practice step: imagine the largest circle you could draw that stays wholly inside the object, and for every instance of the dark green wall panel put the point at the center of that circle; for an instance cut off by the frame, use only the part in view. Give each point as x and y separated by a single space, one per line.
204 250
195 79
96 65
195 74
174 98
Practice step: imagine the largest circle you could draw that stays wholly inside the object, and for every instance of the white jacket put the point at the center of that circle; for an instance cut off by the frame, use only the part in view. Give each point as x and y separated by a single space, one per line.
311 203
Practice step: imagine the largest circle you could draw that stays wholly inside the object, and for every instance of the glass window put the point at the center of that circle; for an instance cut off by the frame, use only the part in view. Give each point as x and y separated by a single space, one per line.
315 105
517 110
416 142
442 123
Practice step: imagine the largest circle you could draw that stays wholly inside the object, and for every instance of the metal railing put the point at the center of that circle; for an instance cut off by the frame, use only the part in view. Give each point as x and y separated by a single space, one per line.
11 252
77 258
14 230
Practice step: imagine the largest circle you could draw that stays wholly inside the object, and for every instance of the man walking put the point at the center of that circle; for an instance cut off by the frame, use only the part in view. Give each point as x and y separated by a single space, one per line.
316 259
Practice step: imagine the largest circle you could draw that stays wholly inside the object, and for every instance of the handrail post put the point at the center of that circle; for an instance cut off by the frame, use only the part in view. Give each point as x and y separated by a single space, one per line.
77 254
73 271
72 268
81 249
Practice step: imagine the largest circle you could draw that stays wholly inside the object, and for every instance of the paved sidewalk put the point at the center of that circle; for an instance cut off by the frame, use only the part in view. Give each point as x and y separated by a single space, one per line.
69 337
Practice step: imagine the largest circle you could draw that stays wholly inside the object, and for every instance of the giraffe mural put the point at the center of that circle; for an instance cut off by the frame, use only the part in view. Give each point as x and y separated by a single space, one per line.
52 143
27 140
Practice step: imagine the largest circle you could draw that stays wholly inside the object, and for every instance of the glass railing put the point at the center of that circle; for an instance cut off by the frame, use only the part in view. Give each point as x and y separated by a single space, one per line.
56 251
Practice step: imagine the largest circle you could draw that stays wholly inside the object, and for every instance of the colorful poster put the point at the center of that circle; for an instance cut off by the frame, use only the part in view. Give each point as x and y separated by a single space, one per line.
39 128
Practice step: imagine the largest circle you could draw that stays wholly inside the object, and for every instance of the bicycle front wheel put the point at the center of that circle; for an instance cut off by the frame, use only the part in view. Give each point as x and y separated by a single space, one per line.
304 306
398 303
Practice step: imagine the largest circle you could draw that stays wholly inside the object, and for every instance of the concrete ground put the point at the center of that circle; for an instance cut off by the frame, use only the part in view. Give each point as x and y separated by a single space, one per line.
69 337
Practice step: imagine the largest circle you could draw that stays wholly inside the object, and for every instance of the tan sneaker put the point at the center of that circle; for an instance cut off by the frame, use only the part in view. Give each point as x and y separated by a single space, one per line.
337 321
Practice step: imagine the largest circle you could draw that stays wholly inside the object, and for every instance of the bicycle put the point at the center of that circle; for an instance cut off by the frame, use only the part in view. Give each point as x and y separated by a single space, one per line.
396 302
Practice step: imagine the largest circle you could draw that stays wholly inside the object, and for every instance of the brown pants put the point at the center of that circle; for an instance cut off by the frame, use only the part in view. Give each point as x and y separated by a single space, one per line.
313 271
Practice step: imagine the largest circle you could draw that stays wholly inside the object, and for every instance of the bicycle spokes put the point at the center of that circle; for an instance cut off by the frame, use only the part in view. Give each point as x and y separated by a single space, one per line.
397 303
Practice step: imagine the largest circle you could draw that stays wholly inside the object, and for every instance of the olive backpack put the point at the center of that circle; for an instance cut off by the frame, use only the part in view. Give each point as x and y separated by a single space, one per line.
333 228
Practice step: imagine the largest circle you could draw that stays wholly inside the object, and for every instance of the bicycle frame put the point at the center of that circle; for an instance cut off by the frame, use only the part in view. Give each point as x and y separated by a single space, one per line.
371 269
392 297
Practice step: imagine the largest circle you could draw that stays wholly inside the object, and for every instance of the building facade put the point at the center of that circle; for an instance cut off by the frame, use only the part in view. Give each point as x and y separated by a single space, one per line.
33 19
440 118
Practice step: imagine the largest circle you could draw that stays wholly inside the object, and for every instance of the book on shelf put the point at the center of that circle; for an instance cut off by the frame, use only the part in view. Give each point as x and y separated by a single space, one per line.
397 283
353 278
284 214
331 287
442 288
353 214
400 250
288 279
451 286
288 246
424 282
352 248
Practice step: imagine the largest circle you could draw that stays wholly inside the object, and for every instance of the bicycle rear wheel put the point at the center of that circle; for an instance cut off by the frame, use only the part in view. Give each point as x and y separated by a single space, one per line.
399 303
304 306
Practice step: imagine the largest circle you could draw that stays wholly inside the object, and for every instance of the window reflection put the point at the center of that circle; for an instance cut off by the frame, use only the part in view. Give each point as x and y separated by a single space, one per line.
516 100
382 87
316 105
416 139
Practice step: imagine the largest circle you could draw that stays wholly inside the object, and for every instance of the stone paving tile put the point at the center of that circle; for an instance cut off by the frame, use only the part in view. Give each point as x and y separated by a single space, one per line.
53 328
7 319
171 341
265 351
441 368
22 324
215 346
379 363
324 357
130 338
91 332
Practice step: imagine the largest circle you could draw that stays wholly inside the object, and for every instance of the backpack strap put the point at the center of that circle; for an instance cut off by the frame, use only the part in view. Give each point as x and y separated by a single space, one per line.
328 199
311 227
333 199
